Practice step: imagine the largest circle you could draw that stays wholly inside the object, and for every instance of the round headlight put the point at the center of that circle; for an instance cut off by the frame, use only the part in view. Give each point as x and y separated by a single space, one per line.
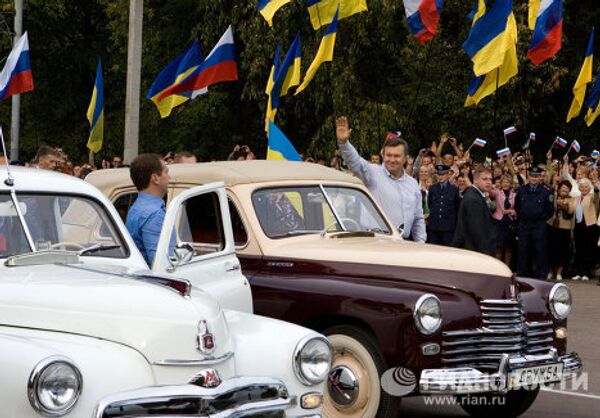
312 360
54 386
560 301
428 314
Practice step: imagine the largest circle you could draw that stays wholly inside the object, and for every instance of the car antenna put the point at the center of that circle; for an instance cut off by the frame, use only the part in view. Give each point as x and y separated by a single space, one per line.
9 181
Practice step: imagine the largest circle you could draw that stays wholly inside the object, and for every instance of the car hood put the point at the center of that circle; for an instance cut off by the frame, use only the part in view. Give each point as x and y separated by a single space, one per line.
156 321
395 259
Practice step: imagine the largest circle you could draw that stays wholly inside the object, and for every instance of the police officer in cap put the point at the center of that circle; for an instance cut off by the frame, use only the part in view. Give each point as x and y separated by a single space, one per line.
443 202
534 207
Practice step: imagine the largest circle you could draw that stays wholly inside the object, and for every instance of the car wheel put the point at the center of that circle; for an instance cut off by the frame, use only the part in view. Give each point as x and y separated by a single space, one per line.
353 388
490 405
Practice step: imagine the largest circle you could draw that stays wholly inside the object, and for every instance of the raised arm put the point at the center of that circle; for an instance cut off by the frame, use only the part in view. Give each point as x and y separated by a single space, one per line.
358 165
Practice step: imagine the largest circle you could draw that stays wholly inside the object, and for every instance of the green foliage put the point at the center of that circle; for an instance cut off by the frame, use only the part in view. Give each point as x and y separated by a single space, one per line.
381 78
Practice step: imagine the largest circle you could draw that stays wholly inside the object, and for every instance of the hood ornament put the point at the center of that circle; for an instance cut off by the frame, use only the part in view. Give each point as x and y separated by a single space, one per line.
206 340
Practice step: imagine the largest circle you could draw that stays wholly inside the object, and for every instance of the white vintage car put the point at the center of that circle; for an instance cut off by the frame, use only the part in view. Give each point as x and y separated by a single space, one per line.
87 330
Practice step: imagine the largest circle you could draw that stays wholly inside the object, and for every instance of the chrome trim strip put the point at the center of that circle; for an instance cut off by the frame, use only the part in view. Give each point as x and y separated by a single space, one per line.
197 362
167 393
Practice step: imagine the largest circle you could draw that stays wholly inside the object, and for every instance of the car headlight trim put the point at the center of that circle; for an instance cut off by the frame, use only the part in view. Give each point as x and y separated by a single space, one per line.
54 386
313 357
428 314
560 301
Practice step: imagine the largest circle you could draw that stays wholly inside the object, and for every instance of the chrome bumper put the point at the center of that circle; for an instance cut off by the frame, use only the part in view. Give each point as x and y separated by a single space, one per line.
468 380
233 398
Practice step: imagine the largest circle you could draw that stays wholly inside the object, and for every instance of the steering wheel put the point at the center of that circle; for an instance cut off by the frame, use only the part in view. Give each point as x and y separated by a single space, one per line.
71 244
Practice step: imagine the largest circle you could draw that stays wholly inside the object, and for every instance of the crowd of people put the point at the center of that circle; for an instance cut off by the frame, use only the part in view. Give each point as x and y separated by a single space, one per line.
540 218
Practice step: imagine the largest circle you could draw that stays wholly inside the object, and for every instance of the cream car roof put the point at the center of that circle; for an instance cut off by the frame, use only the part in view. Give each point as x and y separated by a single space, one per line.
230 172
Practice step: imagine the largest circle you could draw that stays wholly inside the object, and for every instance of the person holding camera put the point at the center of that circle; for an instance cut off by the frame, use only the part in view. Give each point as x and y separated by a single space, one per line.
560 226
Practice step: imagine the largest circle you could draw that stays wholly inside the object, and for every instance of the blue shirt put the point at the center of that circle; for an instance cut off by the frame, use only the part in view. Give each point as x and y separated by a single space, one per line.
144 223
400 198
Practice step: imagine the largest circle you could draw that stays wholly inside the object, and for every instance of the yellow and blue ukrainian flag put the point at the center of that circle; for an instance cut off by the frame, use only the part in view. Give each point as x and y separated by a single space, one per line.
585 77
324 54
177 70
280 148
593 102
534 8
95 113
491 36
322 11
286 76
268 8
486 84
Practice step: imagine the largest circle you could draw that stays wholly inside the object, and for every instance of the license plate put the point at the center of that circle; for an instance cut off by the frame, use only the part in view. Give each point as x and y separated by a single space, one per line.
533 376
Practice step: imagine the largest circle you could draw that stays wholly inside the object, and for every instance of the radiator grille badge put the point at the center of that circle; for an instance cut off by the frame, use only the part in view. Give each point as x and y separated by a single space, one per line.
208 378
206 340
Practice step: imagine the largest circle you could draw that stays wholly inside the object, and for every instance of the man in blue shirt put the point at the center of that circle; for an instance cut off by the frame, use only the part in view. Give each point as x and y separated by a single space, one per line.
395 190
150 176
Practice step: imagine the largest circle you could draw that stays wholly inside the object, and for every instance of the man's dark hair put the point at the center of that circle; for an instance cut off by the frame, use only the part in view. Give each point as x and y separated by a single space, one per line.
394 142
142 168
481 170
46 150
565 183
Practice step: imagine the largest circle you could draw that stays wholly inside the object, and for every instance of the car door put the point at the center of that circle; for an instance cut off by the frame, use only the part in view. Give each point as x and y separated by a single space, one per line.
197 244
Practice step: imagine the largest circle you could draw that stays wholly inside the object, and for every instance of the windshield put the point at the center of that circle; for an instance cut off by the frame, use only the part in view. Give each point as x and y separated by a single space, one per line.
303 210
58 222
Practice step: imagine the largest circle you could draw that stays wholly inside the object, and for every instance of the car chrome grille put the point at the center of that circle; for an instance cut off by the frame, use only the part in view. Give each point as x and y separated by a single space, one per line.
504 330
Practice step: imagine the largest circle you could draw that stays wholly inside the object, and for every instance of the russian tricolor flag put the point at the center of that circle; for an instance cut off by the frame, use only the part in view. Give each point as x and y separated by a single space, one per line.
575 145
561 142
479 142
532 136
547 35
423 17
16 77
510 130
503 151
220 65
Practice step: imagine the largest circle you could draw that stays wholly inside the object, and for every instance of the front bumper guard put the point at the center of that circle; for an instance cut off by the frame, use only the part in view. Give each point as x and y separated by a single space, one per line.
469 380
233 398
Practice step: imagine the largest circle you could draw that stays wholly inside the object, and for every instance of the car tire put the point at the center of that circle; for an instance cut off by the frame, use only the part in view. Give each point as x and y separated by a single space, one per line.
356 352
490 405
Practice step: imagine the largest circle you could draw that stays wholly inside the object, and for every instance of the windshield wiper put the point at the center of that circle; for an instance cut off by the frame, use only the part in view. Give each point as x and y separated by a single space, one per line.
98 247
294 233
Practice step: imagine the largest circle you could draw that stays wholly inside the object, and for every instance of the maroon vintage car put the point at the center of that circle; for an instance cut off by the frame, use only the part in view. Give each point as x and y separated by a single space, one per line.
404 318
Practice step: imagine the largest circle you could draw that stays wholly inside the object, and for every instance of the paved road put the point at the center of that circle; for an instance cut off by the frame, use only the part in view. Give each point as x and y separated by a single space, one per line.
584 337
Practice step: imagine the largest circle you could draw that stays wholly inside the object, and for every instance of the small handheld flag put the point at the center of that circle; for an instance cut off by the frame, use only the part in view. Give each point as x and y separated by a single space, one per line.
532 137
280 148
502 152
595 154
479 142
510 130
561 142
575 145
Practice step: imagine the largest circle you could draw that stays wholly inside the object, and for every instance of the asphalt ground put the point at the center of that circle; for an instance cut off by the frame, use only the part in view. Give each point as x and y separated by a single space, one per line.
572 399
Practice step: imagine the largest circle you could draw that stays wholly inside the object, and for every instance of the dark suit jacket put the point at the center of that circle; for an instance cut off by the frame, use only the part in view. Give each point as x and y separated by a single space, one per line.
443 207
475 227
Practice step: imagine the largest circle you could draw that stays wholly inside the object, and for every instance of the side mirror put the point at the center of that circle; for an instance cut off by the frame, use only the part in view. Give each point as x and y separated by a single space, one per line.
182 254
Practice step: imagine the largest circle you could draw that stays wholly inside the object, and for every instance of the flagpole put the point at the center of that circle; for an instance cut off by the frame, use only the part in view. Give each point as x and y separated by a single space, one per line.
16 99
422 75
552 147
496 100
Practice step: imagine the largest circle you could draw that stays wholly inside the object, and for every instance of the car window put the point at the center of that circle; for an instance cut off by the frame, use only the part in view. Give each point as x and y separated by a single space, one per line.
124 203
240 236
199 223
306 209
12 235
74 223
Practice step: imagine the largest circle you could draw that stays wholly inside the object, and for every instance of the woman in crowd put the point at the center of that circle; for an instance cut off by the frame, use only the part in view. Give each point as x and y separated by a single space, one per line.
586 229
559 229
505 215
